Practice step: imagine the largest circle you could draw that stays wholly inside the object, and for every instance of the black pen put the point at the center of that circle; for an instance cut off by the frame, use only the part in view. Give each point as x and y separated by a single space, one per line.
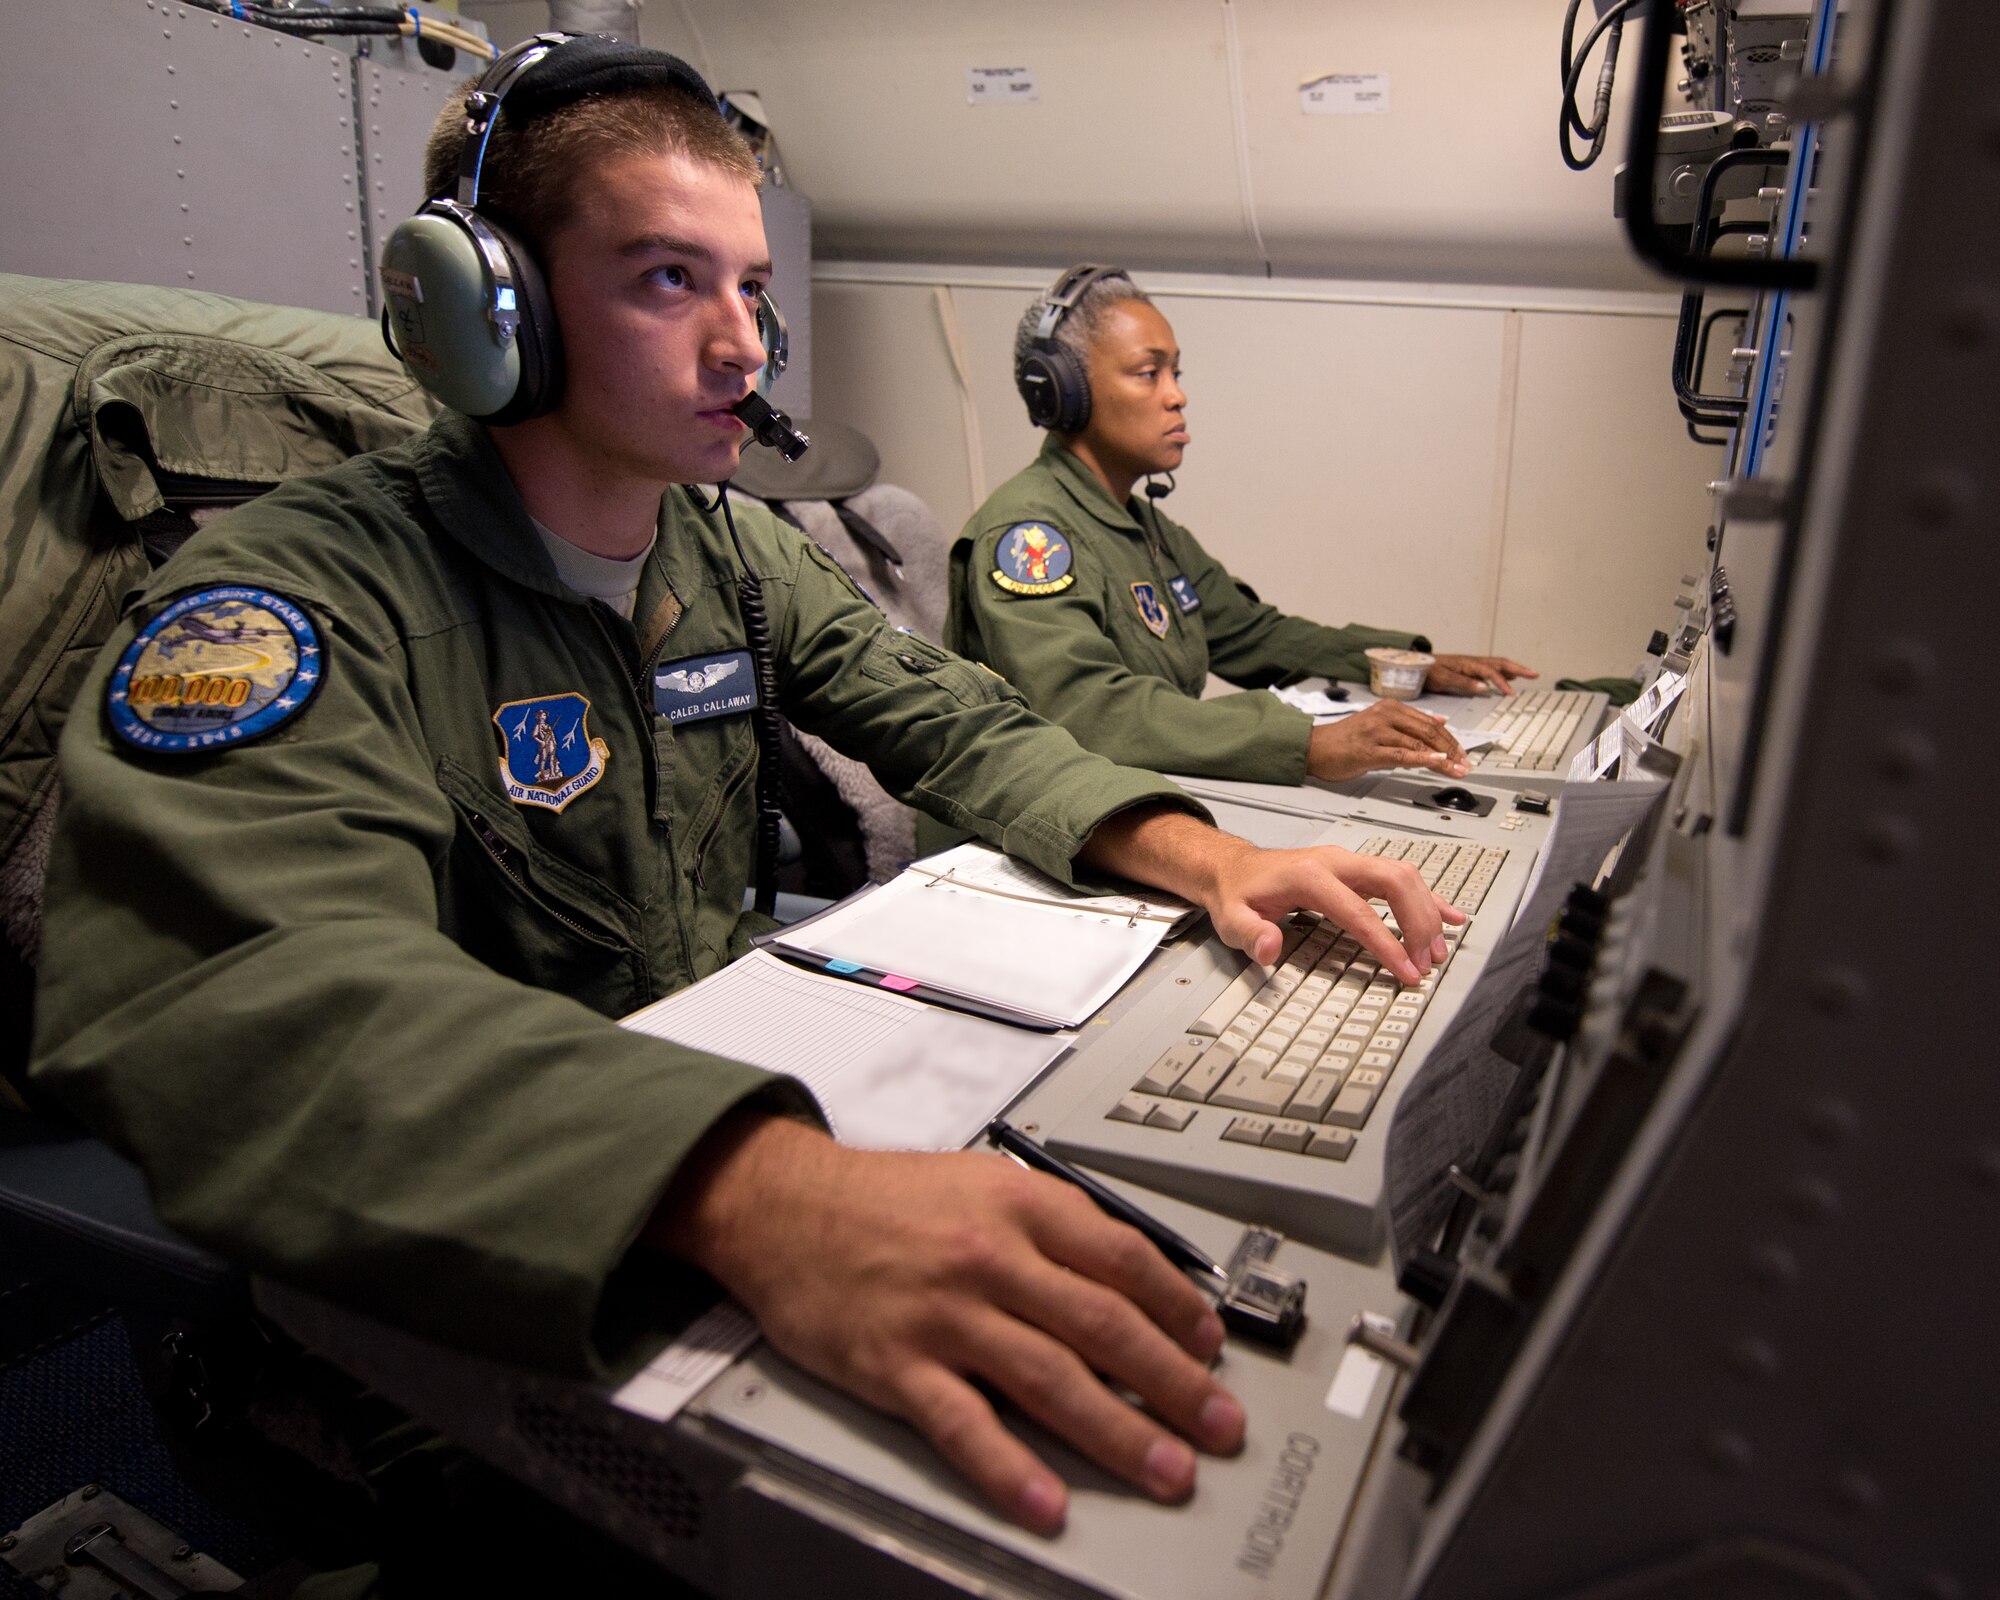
1170 1244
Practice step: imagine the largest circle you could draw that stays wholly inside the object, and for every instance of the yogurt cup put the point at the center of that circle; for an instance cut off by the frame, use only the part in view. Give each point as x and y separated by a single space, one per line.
1398 674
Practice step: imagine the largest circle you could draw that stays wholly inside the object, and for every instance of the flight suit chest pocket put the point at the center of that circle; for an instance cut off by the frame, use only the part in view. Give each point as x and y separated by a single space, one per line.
710 795
514 905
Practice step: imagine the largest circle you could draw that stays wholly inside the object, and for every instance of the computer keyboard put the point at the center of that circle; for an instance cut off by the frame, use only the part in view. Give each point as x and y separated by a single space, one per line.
1535 727
1266 1093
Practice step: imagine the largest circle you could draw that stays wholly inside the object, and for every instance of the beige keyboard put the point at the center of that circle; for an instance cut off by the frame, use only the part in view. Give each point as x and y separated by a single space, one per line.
1535 727
1304 1051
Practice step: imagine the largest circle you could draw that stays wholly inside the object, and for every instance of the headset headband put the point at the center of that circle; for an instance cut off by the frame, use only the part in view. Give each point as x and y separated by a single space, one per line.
1071 287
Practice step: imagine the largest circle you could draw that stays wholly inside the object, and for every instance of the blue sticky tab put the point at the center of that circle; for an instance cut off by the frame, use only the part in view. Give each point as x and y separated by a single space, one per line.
844 968
695 688
216 667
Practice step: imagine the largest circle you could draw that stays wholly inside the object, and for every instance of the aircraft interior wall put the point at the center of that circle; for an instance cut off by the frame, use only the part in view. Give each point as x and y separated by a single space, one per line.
1379 433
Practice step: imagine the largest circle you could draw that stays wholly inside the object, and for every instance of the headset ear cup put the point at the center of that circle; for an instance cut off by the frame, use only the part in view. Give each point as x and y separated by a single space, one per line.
1057 391
1072 388
543 369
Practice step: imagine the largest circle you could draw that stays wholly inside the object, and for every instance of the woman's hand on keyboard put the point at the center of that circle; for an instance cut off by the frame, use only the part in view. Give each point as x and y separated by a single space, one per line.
1258 887
1475 675
913 1281
1387 734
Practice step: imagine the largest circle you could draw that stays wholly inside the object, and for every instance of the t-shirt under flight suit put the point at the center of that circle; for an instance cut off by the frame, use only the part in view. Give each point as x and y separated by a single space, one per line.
345 989
1109 619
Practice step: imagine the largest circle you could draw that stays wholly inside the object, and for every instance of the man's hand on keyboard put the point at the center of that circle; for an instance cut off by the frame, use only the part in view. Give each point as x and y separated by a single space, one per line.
913 1281
1257 887
1475 675
1387 734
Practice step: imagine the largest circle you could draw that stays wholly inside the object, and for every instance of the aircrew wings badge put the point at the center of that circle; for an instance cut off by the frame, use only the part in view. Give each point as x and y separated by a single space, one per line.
1033 559
547 756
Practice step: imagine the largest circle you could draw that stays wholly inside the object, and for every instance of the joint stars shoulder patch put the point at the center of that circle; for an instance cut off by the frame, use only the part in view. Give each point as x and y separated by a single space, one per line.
1033 558
215 668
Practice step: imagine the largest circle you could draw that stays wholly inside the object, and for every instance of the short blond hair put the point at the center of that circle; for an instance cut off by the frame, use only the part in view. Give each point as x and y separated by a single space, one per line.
529 177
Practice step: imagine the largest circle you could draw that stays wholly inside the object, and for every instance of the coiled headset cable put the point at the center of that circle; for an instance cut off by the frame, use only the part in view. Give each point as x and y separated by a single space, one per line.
764 716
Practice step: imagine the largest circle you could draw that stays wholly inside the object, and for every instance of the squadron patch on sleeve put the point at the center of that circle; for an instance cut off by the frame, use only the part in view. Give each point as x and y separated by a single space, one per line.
547 756
1151 612
1033 559
216 667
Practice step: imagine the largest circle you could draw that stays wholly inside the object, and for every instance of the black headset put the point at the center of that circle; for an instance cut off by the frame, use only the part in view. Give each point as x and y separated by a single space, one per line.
1054 381
465 304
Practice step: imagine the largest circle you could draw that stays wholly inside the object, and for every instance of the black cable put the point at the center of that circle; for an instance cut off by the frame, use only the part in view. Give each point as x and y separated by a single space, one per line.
1571 120
764 716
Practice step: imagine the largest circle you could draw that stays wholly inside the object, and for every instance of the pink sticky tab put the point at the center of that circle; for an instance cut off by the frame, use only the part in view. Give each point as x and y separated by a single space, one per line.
889 980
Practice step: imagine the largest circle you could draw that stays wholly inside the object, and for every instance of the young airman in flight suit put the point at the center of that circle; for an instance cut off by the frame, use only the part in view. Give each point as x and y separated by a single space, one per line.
399 785
1109 617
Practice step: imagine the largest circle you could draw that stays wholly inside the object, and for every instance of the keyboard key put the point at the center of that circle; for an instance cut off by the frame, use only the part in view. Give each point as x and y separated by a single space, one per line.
1205 1074
1252 1091
1377 1061
1172 1066
1350 1107
1169 1116
1367 1078
1287 1135
1247 1130
1333 1143
1315 1095
1131 1108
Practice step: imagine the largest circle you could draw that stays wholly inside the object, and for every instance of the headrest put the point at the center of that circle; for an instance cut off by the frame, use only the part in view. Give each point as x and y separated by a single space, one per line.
599 65
840 463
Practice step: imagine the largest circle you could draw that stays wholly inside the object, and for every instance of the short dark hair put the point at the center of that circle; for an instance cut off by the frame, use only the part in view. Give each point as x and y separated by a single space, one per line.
529 177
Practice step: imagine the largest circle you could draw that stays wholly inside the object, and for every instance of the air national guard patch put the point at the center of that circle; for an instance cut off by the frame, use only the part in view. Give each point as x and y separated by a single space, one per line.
548 756
1033 560
215 668
1184 593
696 688
1151 612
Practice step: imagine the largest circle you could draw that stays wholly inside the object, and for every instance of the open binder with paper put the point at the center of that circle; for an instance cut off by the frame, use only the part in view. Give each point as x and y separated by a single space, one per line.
972 931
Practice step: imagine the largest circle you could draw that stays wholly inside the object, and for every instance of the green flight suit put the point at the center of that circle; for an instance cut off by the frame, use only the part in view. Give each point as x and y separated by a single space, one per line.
349 1004
1086 656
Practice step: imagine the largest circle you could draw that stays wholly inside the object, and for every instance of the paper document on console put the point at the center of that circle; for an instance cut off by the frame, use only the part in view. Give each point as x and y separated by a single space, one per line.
1048 965
980 866
890 1073
1449 1107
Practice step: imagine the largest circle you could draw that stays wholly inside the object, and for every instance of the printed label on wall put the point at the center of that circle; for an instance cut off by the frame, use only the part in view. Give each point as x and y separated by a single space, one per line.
1000 86
1345 94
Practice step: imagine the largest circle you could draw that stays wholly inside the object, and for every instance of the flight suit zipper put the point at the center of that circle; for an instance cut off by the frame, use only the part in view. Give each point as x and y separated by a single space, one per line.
715 823
502 855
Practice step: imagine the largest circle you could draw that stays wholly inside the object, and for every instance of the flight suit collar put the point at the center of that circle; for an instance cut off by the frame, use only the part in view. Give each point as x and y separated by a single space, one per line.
1081 484
474 499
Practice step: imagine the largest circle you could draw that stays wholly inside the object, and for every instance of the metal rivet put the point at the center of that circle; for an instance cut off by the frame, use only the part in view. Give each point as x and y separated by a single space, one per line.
1857 1491
1813 1200
1754 1357
1832 1122
1727 1450
1775 1267
1888 840
1836 991
92 1490
1906 757
1907 665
